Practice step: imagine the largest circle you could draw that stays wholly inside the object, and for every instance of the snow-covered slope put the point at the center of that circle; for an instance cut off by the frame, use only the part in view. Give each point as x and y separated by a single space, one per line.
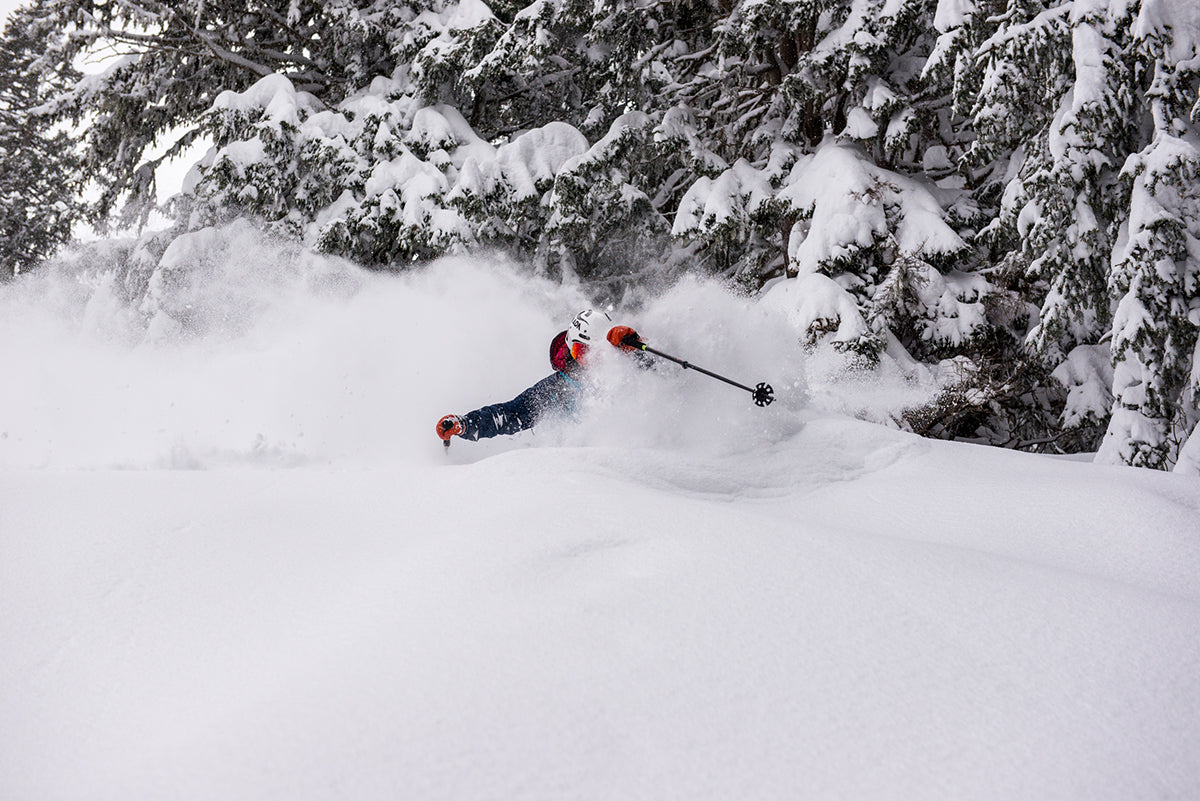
679 595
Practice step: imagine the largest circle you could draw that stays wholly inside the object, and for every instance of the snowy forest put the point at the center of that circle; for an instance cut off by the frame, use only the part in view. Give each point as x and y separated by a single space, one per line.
1003 192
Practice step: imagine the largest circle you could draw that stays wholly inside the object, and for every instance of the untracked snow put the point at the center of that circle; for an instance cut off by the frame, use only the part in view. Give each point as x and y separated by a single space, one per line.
235 562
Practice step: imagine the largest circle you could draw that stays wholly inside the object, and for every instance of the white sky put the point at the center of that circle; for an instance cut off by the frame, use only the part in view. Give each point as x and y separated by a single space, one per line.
170 176
6 7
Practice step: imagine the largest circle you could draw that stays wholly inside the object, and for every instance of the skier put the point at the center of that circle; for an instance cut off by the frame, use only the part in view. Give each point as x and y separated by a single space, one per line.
554 393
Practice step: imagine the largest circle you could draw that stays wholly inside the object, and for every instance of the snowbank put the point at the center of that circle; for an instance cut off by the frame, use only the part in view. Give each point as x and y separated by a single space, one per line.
848 613
676 595
237 347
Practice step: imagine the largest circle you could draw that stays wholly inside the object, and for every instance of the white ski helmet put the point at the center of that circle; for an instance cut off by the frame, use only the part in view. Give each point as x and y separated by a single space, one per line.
588 326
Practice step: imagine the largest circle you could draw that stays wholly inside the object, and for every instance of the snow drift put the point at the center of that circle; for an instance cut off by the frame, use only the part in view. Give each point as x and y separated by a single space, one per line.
677 595
232 348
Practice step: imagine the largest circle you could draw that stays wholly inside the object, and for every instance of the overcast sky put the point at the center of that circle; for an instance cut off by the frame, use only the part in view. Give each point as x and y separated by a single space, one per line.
6 6
170 176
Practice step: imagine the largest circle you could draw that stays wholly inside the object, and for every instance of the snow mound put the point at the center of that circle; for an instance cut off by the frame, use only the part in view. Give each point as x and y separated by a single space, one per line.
675 594
236 348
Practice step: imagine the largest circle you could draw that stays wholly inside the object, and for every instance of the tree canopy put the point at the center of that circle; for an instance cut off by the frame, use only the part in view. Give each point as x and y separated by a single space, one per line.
1003 185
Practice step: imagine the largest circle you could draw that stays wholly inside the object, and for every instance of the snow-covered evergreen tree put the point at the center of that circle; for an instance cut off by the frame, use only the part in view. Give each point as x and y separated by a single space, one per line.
776 81
1052 96
1004 188
603 226
1070 191
164 64
1156 265
39 178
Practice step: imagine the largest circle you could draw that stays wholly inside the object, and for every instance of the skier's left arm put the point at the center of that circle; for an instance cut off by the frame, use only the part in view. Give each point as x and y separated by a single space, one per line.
624 337
511 417
629 341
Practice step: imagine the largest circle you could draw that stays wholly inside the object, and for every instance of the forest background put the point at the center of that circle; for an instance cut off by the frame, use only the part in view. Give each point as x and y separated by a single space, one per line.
1004 193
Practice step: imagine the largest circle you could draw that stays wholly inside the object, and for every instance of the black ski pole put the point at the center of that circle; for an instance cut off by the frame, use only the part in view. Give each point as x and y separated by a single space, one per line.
763 394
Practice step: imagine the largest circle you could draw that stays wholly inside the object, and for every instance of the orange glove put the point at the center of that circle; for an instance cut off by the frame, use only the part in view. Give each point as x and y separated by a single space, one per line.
624 337
448 426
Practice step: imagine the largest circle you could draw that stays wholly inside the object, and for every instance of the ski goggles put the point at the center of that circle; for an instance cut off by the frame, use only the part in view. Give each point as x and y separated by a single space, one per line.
578 350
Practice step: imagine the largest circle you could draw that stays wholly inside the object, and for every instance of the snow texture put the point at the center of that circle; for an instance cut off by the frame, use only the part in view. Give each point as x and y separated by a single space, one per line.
848 199
1180 19
1087 374
1189 457
732 198
952 14
815 304
235 562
